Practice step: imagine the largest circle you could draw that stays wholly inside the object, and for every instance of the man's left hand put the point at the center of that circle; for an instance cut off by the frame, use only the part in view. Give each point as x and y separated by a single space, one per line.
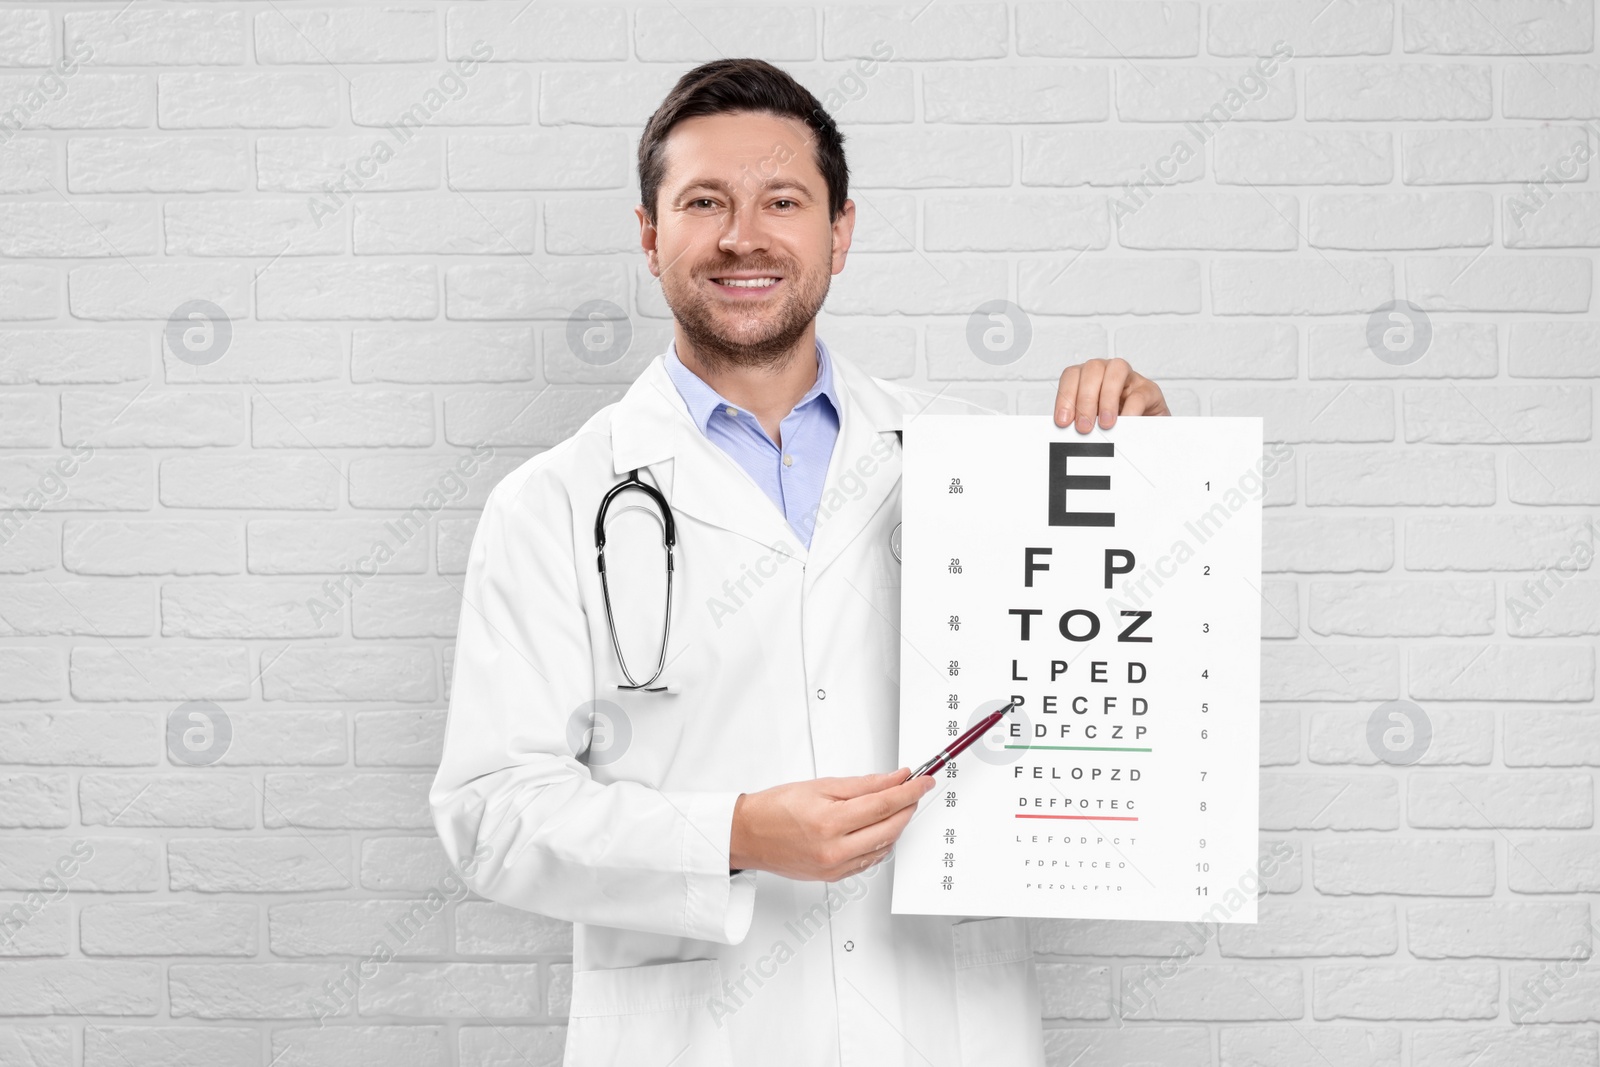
1105 388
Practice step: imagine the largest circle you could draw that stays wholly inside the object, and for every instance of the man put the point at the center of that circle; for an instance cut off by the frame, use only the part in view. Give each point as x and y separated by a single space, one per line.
721 853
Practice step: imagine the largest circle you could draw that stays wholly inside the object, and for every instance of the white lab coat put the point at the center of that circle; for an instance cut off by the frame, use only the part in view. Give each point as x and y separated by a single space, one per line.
795 676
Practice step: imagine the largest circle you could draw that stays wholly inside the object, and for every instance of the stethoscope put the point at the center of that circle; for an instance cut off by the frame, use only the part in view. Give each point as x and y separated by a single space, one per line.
669 538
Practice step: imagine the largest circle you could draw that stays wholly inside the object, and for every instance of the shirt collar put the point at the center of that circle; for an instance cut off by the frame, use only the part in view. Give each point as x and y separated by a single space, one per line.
703 401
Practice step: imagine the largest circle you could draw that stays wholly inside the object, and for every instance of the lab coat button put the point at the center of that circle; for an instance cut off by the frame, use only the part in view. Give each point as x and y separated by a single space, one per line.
822 694
849 946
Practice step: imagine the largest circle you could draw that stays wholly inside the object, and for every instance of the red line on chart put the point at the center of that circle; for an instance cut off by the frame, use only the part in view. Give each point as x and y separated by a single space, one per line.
1087 818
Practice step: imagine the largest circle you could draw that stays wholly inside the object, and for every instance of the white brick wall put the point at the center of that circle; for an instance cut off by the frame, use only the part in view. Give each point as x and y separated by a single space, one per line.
394 307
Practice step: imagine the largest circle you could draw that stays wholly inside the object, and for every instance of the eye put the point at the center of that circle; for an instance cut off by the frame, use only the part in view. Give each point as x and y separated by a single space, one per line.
786 200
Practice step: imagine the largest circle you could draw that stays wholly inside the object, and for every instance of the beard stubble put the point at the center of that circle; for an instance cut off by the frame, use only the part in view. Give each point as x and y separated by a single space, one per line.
735 336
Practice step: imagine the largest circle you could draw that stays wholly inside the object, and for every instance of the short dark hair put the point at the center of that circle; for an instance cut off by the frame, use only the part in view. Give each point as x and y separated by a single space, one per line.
729 85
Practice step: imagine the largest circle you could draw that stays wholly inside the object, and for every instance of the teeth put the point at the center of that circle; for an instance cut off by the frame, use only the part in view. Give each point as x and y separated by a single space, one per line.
748 283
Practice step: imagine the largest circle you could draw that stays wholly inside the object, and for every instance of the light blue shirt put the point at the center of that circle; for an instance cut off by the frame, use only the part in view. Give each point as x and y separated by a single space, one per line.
791 476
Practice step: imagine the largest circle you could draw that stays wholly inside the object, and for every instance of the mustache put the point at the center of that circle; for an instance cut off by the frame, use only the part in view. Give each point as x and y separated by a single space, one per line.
732 268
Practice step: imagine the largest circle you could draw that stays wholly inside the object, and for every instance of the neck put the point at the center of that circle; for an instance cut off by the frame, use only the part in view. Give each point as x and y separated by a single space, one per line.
769 389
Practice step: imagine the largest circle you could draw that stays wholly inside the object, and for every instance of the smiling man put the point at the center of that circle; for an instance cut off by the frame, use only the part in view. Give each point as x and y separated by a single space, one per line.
707 800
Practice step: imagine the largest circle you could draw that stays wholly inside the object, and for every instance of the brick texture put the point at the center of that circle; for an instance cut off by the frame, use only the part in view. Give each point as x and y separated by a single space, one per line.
284 286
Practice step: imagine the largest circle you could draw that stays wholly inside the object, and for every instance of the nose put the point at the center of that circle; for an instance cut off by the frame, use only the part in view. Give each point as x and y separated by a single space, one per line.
744 232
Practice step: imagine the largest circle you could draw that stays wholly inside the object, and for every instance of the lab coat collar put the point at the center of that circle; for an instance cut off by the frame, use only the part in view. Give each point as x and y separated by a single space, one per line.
652 427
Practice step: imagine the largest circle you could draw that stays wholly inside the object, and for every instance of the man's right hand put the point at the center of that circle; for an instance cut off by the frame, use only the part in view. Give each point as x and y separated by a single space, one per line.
826 828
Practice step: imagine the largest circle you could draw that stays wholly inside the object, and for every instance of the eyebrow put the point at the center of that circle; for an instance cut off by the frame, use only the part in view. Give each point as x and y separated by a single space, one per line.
717 184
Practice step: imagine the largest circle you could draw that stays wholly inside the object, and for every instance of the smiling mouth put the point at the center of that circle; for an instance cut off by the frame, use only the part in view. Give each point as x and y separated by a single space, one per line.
748 284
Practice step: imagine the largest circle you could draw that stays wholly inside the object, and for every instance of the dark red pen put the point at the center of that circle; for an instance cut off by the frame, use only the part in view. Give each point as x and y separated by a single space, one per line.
960 744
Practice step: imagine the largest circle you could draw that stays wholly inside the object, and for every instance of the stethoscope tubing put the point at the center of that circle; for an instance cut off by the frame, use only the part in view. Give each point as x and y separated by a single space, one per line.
669 538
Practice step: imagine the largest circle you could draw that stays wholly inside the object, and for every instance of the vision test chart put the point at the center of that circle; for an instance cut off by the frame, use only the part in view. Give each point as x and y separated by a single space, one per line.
1110 585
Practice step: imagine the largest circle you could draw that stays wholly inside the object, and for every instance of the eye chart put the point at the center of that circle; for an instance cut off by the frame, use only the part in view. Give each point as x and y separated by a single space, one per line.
1109 584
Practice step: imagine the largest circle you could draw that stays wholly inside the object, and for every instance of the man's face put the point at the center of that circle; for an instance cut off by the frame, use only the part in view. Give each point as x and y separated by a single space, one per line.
742 243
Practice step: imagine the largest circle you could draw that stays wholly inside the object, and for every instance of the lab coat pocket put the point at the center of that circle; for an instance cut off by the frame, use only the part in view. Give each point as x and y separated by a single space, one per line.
997 993
649 1016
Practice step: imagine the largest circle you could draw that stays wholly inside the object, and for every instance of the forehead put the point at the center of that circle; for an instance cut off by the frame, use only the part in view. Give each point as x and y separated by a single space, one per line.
718 147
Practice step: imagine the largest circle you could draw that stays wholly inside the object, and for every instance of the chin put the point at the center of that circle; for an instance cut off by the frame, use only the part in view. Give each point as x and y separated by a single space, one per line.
748 339
748 325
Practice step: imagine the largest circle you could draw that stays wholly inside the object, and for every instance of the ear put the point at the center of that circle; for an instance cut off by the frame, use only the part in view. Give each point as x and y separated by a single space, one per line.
647 240
844 228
